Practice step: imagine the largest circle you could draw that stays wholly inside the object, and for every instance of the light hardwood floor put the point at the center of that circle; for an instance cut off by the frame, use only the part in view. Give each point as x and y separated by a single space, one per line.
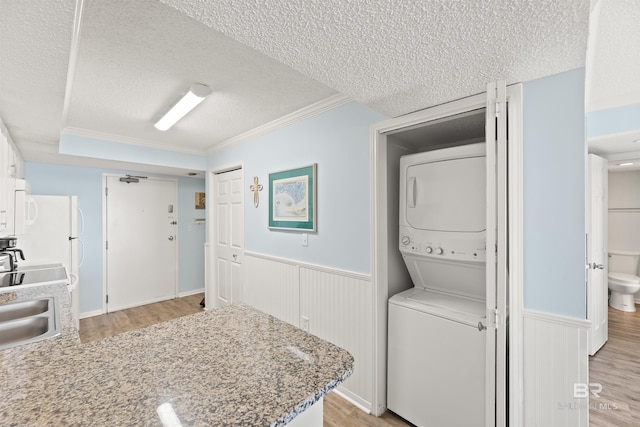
337 411
617 367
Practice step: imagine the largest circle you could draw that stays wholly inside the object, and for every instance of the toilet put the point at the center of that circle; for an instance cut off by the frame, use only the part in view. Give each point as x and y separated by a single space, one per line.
623 279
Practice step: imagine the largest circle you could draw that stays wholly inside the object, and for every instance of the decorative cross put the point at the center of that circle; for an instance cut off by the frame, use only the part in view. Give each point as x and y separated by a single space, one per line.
256 187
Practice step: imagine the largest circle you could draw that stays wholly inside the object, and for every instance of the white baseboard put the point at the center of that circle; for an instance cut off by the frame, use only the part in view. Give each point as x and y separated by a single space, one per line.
191 292
353 399
91 313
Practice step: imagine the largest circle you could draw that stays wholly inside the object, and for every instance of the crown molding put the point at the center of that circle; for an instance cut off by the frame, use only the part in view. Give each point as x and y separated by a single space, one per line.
284 121
103 136
73 59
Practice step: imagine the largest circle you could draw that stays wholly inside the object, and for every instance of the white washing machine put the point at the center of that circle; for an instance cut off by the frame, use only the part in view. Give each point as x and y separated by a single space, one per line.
436 336
436 356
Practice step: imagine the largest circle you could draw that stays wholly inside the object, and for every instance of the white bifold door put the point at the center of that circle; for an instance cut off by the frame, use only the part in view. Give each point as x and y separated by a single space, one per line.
141 241
497 255
597 284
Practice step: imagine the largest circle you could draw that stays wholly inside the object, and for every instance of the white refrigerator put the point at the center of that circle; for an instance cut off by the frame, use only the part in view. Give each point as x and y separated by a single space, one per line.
51 236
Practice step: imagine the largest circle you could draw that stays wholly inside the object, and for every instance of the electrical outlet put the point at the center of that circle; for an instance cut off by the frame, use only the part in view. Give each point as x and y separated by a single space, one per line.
305 323
305 239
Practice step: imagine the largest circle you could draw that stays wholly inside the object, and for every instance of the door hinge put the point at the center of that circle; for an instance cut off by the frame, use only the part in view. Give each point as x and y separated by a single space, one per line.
107 299
498 108
498 318
106 245
106 191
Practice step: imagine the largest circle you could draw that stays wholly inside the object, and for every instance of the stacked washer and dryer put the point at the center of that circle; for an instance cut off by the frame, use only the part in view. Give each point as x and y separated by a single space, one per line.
436 335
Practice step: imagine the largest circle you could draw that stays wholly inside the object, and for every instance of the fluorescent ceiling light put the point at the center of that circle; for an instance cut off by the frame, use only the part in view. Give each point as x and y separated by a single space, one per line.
197 93
625 164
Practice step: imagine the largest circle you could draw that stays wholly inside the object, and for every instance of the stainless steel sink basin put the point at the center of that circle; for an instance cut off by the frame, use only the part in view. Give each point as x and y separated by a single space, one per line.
18 310
28 321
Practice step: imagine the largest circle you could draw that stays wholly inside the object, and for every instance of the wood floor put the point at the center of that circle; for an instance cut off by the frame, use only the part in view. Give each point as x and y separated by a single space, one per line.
617 367
337 411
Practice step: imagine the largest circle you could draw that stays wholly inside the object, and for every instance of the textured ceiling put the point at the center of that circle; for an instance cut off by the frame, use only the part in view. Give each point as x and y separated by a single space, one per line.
265 60
613 78
404 55
615 56
137 58
35 41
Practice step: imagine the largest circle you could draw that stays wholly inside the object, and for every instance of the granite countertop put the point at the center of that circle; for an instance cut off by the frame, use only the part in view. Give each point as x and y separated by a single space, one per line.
233 366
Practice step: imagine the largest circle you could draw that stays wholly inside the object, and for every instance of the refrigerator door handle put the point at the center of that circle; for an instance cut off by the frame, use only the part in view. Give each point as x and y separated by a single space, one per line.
31 213
81 260
81 227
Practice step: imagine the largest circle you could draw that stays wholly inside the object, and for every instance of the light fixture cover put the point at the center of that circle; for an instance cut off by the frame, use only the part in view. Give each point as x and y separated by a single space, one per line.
625 164
197 93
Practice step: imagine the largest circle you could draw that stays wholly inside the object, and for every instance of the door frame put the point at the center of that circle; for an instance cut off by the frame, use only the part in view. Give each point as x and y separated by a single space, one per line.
104 232
379 240
210 285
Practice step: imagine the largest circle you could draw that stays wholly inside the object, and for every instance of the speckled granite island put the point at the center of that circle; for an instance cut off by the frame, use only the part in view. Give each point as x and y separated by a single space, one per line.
233 366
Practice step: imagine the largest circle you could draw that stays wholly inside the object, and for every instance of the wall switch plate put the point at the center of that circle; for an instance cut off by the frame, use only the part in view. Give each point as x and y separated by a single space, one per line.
305 239
305 324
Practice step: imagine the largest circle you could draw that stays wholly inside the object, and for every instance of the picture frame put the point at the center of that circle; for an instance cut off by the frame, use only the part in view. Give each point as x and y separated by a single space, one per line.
292 199
200 200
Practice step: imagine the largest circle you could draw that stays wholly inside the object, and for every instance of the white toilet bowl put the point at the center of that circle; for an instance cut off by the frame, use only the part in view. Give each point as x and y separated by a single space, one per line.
623 286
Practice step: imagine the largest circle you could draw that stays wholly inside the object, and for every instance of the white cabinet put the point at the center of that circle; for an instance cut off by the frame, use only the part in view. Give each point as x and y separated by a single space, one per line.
4 182
11 167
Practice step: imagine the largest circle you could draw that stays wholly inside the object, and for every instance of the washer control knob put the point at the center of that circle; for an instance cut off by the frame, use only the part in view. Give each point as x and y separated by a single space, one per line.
429 249
439 251
406 240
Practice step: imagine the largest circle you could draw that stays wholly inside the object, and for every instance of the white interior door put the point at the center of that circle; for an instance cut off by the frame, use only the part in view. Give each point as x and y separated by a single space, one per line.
597 284
140 242
497 255
228 236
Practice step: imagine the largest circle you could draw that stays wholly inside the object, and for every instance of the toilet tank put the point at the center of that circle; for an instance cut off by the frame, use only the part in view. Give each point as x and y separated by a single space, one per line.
624 261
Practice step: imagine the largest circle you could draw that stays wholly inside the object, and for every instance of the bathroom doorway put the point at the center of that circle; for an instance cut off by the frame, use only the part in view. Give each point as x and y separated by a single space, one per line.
612 406
612 102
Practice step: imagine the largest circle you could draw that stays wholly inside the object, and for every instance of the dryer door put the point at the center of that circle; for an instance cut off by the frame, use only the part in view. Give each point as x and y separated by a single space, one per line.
448 195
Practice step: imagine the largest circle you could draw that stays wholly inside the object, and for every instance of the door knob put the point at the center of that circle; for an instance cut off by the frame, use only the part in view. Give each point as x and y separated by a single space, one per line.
170 237
597 266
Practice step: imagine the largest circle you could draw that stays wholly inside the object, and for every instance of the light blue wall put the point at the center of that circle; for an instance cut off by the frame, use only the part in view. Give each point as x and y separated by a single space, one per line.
338 141
613 120
86 183
191 237
112 150
554 194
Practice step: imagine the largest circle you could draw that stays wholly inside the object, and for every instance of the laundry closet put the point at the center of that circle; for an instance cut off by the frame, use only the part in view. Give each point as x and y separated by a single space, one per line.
444 262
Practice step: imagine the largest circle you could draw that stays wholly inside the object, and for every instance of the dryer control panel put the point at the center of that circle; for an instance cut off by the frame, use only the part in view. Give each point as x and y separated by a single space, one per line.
441 245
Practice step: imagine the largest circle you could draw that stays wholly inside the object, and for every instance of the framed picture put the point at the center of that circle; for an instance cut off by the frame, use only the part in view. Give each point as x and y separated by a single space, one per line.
201 200
292 199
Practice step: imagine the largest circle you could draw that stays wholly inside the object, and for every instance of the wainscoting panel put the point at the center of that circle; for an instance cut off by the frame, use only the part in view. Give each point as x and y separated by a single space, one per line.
556 370
334 305
272 287
339 309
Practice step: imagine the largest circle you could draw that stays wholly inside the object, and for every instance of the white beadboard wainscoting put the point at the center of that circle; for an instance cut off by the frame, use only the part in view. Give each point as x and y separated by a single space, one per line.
555 359
334 305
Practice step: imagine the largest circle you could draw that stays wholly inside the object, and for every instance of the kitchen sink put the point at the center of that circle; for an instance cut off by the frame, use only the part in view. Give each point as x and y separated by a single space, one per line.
28 321
18 310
